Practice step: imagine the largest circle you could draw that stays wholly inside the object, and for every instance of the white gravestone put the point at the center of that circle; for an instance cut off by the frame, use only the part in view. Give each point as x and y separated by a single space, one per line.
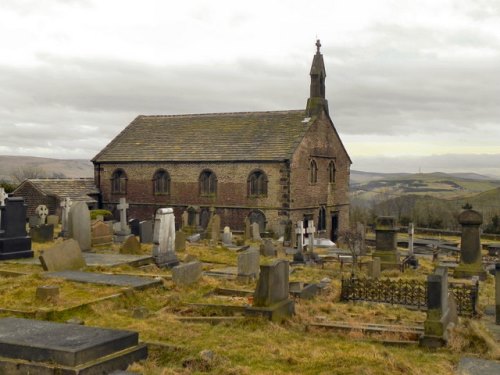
66 206
164 238
122 207
227 236
42 211
311 229
411 232
3 197
256 232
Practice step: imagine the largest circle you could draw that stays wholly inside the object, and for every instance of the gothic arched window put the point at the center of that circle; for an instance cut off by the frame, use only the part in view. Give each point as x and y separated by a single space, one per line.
313 172
119 182
161 182
208 183
257 184
332 171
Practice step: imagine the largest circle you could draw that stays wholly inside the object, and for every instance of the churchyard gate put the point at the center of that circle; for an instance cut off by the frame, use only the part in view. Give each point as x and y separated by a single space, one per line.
409 293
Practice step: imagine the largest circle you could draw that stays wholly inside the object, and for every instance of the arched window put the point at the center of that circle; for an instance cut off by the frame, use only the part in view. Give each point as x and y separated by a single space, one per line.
161 182
322 218
119 182
208 183
257 184
332 171
313 172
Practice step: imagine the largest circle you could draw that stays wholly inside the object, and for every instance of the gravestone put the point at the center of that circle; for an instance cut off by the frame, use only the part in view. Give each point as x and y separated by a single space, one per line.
386 242
42 233
65 206
124 231
288 235
3 196
248 264
497 292
131 245
53 219
101 234
299 234
227 236
47 293
134 226
311 229
267 248
34 220
271 294
411 233
62 256
374 268
470 247
180 240
184 219
213 229
79 225
42 211
256 232
40 347
164 238
146 231
248 229
186 273
441 310
14 241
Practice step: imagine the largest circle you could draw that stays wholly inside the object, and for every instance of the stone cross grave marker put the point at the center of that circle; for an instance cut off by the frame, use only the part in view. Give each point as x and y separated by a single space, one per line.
3 196
42 211
311 229
299 234
122 207
164 238
65 205
411 232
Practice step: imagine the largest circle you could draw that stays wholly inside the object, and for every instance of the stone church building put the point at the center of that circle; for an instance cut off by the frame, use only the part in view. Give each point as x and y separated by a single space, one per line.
269 166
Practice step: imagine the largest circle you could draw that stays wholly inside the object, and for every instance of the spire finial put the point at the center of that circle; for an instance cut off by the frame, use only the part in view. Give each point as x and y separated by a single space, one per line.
318 45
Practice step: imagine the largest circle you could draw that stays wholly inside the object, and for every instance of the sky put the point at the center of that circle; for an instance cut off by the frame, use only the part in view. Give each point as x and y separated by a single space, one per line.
412 85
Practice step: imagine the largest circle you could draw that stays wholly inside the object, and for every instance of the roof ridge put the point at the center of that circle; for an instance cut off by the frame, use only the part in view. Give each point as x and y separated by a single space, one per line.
223 113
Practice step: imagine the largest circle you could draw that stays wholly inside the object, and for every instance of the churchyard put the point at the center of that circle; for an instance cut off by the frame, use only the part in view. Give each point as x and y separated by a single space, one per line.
219 302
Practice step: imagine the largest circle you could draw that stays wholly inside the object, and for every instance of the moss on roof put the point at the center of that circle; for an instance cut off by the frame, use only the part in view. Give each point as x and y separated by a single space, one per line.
246 136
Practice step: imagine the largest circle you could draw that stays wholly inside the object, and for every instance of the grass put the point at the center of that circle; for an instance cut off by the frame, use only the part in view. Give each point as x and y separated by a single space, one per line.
255 346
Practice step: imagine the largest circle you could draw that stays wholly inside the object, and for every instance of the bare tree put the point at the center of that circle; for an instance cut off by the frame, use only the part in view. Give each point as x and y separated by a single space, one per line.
28 171
352 239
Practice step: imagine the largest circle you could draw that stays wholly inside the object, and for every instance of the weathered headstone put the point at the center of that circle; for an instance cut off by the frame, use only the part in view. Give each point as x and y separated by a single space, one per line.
66 206
49 293
386 242
441 310
271 294
146 231
311 229
42 233
299 234
134 226
124 230
227 236
14 242
374 268
248 229
288 235
101 234
164 238
213 228
53 219
34 220
63 256
186 273
267 248
497 292
131 245
470 247
42 211
248 264
180 240
185 219
256 232
79 225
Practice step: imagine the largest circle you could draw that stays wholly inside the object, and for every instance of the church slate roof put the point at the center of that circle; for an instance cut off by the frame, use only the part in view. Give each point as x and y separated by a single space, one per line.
78 189
245 136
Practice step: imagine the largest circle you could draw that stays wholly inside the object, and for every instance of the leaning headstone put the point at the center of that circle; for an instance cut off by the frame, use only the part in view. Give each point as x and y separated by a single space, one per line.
131 245
164 238
134 226
256 232
180 240
497 292
271 294
101 234
42 233
14 242
63 256
65 206
267 248
79 225
248 264
53 219
124 230
470 246
386 242
227 236
42 211
146 231
441 310
187 273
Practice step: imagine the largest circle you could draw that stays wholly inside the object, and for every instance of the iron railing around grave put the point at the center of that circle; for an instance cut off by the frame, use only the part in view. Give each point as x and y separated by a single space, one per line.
410 293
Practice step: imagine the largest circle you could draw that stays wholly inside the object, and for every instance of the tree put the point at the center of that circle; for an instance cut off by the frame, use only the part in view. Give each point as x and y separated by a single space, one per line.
27 172
352 239
8 187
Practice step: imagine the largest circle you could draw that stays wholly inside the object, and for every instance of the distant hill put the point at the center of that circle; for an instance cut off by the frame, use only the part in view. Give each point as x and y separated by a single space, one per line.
10 165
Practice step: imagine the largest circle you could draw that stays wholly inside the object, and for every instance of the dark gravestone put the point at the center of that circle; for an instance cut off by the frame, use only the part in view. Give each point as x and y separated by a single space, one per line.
80 349
14 242
271 294
134 226
42 233
146 231
470 247
289 233
386 242
497 292
34 220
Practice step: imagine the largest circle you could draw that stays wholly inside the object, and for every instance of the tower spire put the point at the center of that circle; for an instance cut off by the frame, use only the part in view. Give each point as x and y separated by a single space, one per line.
317 101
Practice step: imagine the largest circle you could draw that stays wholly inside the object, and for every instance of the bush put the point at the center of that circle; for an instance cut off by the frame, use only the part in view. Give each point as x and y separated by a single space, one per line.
105 213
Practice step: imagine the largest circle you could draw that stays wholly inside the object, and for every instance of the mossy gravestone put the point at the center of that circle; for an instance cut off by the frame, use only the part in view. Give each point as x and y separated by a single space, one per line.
180 241
63 256
131 245
386 242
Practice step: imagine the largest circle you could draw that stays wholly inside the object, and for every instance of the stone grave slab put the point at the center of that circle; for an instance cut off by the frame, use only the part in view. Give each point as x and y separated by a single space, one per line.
226 272
70 348
135 282
187 273
63 256
477 366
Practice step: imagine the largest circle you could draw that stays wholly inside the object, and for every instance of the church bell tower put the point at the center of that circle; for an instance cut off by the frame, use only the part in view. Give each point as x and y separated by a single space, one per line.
317 101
